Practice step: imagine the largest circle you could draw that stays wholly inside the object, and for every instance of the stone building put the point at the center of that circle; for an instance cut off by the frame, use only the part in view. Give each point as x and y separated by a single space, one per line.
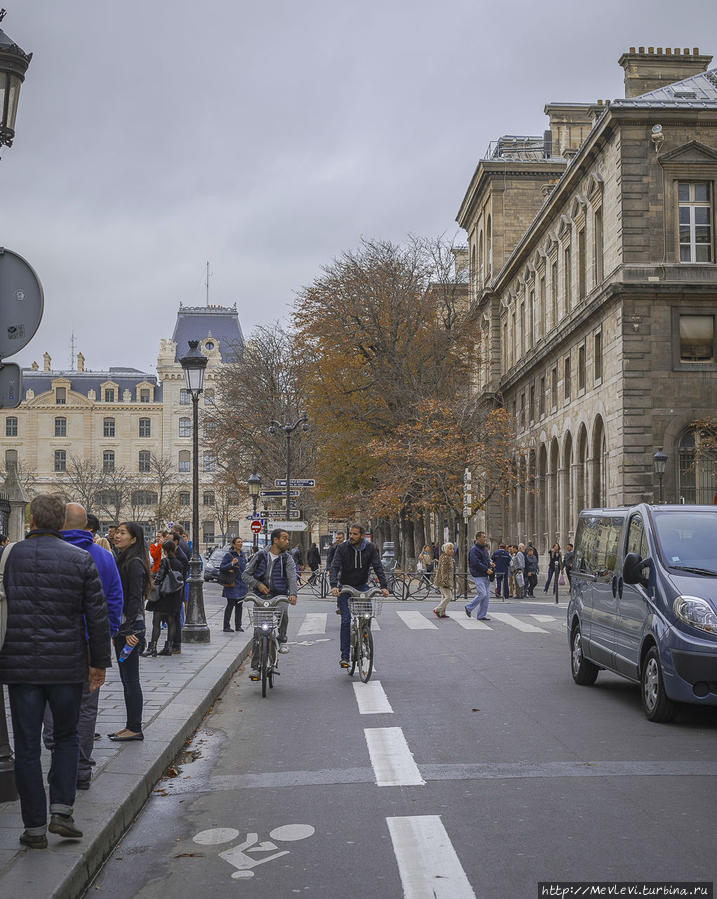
125 422
593 269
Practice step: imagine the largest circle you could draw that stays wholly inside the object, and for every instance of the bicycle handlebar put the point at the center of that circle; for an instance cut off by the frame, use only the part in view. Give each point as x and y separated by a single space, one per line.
360 594
265 603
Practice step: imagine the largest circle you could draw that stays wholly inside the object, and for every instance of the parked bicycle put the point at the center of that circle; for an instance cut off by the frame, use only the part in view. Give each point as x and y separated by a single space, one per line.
420 585
319 583
265 618
363 605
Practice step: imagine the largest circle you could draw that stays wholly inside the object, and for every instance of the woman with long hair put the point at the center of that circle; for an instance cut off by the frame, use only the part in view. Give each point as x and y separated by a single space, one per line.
233 564
167 606
136 580
555 561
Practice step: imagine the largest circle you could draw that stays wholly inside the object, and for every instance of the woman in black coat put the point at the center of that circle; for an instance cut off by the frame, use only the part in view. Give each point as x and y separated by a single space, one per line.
136 577
555 561
233 564
167 606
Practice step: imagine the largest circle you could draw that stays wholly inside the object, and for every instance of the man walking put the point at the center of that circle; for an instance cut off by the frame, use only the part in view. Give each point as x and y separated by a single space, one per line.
518 568
501 563
330 557
350 566
57 617
480 567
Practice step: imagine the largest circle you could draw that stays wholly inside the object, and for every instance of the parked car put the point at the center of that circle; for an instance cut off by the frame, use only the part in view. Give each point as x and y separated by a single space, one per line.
211 566
643 602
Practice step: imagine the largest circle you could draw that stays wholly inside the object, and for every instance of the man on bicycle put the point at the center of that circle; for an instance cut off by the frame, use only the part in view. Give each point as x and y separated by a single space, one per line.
271 572
350 566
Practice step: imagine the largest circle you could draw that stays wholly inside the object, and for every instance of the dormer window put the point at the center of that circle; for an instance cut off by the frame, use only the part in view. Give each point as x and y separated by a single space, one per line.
144 396
60 396
109 394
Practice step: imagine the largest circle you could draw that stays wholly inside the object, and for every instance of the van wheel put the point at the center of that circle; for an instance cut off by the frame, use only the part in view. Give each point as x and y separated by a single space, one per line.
655 703
584 672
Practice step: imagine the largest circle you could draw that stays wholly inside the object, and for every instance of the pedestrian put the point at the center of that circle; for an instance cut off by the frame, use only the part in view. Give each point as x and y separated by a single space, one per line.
271 572
501 563
554 565
313 558
136 578
338 540
234 562
481 568
425 560
166 606
351 563
155 550
183 555
77 531
530 546
444 579
57 639
531 570
518 568
568 560
111 531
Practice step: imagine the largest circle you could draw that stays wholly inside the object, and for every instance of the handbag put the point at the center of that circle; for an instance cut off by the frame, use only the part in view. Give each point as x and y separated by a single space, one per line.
561 580
227 578
519 579
170 583
153 599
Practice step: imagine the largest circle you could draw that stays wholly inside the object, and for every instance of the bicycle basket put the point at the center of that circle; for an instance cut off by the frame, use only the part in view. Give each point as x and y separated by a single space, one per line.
268 617
362 607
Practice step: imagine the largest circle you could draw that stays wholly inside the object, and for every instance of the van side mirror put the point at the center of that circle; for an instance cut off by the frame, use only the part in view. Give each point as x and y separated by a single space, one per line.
632 569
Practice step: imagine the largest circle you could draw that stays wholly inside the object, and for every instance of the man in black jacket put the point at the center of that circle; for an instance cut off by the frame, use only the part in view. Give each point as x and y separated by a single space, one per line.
350 566
57 617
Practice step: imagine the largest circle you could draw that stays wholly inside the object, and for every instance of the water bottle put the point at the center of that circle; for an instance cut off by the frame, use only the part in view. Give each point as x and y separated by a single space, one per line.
126 650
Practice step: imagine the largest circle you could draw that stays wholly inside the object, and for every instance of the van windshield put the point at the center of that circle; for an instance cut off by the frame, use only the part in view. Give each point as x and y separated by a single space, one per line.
688 541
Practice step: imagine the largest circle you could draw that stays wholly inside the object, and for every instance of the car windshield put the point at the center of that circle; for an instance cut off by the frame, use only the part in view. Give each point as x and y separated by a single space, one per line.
688 540
219 554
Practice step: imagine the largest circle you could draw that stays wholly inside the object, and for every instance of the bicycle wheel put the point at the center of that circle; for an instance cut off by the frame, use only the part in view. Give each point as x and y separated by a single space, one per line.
354 650
366 653
397 586
264 663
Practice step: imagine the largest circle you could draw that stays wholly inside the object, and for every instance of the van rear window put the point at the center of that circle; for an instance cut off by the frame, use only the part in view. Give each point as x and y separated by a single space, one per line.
687 539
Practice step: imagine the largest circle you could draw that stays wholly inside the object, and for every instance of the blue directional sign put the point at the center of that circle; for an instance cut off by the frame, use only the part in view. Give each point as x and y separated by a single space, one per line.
279 493
295 482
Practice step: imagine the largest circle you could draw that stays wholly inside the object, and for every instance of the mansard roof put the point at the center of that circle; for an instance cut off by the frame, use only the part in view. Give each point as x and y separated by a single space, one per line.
696 92
200 322
83 381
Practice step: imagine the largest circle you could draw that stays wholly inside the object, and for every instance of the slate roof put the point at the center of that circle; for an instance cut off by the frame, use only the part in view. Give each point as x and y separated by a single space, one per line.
695 92
84 381
198 322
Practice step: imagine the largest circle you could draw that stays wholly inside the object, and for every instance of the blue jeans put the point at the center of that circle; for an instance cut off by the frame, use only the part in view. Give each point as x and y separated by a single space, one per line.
481 598
501 581
343 602
27 707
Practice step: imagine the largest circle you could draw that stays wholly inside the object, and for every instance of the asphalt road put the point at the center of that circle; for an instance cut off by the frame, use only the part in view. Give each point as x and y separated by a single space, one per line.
476 768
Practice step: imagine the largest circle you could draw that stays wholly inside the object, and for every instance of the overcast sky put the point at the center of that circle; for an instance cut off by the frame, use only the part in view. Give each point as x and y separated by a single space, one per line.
267 138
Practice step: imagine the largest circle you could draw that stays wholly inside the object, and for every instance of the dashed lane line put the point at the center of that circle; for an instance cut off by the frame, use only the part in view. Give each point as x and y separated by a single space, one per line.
391 759
427 862
371 698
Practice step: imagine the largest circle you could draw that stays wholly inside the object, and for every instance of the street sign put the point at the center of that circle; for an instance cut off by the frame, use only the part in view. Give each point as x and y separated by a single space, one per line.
295 482
21 303
256 526
288 525
293 513
10 386
258 516
279 493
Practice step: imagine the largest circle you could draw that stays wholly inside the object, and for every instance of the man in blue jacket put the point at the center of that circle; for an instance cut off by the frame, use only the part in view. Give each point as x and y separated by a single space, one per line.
501 562
78 532
480 567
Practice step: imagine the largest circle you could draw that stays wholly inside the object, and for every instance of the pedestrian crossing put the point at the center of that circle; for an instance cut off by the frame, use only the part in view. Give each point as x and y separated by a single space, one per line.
416 619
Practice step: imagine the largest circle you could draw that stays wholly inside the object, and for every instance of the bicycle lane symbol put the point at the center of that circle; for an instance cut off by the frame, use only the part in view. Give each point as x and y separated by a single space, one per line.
237 855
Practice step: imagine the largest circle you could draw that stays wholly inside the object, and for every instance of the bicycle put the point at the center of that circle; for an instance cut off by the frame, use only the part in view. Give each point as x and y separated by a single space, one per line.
396 582
318 583
363 605
265 618
424 588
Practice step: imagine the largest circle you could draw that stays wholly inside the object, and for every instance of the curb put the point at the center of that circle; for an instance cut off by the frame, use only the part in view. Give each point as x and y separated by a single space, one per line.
121 790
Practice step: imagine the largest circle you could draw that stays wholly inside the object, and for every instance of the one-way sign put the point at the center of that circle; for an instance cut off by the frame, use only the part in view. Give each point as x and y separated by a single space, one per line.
295 482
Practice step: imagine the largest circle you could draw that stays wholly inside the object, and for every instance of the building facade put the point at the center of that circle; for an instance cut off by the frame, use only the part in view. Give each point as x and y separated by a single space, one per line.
599 319
120 440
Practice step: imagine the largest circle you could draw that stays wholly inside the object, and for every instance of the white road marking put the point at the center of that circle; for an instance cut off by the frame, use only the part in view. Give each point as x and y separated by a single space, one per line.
215 836
470 624
427 861
314 623
392 761
517 623
543 619
416 621
371 698
287 833
375 625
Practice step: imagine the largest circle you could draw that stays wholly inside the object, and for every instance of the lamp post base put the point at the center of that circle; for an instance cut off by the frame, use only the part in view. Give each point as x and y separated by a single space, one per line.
195 633
195 629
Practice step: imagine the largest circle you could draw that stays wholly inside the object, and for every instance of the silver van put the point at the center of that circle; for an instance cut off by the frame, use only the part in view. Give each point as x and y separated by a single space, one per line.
643 602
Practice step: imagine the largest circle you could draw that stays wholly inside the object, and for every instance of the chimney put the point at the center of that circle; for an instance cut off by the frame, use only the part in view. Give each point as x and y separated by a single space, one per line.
570 124
649 71
80 362
47 362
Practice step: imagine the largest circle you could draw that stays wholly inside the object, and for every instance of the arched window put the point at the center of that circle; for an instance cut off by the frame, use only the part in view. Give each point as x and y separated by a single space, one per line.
697 461
185 427
60 427
489 247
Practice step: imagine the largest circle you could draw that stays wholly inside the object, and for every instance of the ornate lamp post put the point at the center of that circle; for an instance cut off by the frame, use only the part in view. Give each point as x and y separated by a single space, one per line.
659 460
195 629
289 430
13 65
254 485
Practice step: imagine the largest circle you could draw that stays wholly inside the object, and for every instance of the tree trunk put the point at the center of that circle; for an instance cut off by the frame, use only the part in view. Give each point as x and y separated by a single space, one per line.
420 535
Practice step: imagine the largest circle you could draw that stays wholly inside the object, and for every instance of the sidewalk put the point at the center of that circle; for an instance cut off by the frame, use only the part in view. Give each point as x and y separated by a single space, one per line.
178 692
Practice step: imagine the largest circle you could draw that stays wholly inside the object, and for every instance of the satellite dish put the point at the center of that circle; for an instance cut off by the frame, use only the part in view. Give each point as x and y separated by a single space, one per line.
21 303
10 386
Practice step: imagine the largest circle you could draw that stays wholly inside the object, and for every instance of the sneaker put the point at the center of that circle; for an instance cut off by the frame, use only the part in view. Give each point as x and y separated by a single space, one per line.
465 609
64 826
283 647
254 674
83 784
240 630
338 611
33 841
228 630
344 663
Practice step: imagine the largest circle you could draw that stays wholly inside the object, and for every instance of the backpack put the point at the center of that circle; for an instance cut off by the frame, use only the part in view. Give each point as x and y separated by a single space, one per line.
3 595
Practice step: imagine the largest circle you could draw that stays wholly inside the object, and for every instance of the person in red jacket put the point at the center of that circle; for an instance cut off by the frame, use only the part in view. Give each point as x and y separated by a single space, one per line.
155 550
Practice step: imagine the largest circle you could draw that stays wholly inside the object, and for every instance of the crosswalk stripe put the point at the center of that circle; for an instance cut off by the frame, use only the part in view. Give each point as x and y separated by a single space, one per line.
427 862
523 626
416 621
544 619
313 623
470 624
391 759
371 698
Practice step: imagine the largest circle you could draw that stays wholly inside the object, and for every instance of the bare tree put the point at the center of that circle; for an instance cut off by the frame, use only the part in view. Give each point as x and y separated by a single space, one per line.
26 476
165 482
116 493
83 480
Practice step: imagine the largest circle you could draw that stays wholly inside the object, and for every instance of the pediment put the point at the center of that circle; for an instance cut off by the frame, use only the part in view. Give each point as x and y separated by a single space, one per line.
690 153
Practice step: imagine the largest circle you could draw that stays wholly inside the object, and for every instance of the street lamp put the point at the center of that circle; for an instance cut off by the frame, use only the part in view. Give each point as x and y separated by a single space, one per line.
289 429
659 460
254 485
195 629
13 65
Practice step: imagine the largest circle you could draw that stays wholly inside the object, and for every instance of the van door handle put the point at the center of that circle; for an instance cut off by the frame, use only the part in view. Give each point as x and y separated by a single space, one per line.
614 585
619 587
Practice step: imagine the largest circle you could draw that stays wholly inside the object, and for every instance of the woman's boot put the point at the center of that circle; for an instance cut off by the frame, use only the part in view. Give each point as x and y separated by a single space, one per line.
151 650
167 651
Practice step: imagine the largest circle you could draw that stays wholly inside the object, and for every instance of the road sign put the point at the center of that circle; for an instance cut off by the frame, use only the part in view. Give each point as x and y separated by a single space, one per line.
21 303
295 482
256 526
269 513
10 386
288 525
279 493
258 516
